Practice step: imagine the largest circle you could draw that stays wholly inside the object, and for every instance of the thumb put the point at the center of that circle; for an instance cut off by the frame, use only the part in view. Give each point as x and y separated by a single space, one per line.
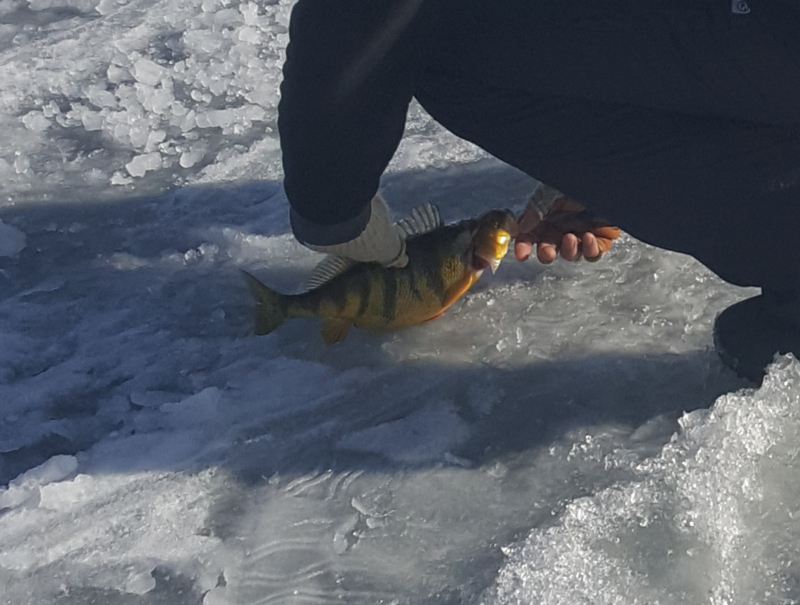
529 219
401 260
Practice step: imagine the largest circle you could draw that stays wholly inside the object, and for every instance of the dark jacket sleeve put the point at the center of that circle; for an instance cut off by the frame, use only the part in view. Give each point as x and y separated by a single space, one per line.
347 83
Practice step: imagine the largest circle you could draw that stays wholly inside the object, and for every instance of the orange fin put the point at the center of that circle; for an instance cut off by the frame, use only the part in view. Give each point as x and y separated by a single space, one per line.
334 330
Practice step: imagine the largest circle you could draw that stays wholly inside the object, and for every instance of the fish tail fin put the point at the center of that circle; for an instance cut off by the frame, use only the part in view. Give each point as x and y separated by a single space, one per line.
270 307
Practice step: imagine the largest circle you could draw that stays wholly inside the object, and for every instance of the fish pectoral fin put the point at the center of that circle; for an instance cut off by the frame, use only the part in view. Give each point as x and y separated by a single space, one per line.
455 292
334 330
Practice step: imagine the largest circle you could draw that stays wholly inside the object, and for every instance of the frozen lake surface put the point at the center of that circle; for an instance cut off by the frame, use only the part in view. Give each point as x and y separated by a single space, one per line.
564 434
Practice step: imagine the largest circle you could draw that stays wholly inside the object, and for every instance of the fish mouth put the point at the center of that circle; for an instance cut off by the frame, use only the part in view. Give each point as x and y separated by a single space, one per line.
491 250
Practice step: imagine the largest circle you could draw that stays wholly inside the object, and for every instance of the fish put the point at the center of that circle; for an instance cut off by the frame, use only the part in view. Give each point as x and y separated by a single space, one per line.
444 262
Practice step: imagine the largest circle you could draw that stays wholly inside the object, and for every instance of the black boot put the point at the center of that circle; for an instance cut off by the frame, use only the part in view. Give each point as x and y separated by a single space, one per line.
748 334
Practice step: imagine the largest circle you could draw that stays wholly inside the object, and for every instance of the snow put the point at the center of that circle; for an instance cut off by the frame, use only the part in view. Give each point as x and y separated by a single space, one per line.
564 434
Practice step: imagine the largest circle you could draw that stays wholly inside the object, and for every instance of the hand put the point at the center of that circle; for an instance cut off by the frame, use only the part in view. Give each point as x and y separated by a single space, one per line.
567 228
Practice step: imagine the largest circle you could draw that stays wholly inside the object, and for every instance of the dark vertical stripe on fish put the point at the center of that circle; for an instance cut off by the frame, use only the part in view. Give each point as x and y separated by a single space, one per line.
364 289
434 277
339 295
389 295
414 284
313 301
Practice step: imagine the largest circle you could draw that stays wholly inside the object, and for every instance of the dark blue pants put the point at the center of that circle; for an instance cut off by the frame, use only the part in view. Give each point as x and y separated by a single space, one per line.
679 124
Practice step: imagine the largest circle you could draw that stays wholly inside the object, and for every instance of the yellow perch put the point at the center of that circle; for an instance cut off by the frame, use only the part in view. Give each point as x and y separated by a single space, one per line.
443 263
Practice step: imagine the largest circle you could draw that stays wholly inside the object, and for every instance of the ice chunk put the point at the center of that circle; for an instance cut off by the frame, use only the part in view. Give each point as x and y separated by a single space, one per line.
153 139
14 496
12 240
203 41
163 98
340 538
188 122
138 134
196 409
142 164
55 469
36 121
218 86
252 112
193 155
50 110
227 16
221 118
120 179
100 97
249 11
65 495
105 7
115 73
262 94
128 99
248 35
21 163
156 99
140 582
147 72
92 120
26 486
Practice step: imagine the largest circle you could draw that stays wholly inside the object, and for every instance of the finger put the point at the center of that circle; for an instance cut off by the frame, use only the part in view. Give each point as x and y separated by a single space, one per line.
522 249
591 248
546 253
570 247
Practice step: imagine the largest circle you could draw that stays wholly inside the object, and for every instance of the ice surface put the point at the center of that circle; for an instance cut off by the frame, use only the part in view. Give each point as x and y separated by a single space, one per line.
391 467
562 435
423 436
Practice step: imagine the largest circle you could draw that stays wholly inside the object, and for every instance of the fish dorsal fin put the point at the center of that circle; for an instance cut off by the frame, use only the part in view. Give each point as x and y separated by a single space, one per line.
423 219
328 268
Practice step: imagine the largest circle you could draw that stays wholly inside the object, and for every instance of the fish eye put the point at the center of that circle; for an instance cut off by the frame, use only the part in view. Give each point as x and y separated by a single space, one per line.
503 238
